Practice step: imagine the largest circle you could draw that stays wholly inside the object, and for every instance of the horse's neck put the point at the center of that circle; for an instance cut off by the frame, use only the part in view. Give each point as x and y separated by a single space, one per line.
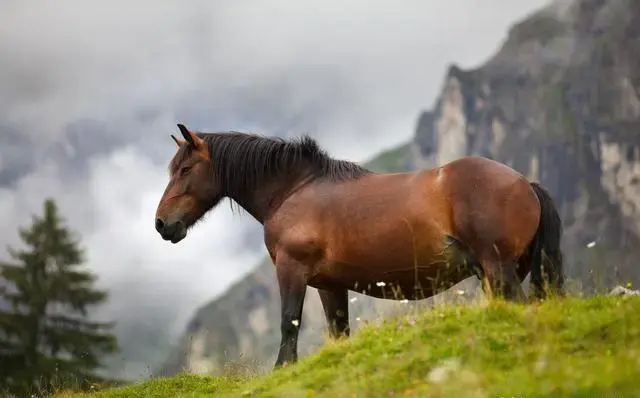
264 199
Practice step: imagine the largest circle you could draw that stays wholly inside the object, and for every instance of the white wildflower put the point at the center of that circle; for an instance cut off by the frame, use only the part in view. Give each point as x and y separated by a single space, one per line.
442 372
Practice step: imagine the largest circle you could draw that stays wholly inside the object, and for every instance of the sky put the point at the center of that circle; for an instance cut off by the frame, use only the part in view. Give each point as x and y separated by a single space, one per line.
355 75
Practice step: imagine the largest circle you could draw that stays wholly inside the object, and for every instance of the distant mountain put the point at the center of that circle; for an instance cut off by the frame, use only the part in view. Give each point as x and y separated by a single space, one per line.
560 102
83 140
16 160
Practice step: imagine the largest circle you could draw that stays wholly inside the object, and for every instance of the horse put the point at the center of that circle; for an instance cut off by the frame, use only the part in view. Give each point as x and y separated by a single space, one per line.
336 226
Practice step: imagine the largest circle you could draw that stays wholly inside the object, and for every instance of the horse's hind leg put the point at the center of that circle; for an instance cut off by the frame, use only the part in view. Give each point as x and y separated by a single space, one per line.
336 310
502 281
524 267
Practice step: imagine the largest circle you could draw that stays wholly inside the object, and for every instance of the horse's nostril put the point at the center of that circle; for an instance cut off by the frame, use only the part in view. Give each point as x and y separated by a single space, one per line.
159 225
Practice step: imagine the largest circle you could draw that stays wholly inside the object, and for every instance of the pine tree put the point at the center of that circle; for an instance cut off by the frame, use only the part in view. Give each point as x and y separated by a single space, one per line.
46 337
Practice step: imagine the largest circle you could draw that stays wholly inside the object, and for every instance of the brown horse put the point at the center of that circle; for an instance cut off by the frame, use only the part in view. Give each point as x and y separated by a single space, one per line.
336 226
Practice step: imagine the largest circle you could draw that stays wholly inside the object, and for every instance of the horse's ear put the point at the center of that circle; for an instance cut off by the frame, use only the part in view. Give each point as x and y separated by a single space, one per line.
178 142
190 137
186 133
196 142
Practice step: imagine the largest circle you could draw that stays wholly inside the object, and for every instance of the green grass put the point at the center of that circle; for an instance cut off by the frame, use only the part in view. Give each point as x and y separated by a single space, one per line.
567 348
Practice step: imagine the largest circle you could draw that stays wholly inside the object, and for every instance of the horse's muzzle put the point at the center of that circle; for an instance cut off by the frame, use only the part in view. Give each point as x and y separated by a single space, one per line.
174 231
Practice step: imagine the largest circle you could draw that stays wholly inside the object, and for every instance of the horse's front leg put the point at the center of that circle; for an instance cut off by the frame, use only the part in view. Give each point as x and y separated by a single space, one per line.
336 310
293 286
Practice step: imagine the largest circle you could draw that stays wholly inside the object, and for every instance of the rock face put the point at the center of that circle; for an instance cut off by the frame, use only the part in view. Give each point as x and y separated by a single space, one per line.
559 102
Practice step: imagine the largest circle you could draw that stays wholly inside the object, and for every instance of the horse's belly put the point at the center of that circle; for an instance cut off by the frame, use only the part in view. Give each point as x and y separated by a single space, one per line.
417 284
399 279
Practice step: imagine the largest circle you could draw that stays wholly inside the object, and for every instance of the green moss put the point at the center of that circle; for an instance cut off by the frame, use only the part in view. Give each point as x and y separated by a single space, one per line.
390 161
569 348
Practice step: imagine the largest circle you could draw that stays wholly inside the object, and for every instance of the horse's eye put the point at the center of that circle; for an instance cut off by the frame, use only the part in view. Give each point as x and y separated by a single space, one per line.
185 170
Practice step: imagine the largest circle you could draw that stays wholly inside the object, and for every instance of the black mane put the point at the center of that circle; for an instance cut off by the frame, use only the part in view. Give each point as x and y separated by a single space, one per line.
241 160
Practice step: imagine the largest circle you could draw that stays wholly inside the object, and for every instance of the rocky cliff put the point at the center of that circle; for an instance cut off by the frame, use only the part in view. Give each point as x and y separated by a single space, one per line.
560 102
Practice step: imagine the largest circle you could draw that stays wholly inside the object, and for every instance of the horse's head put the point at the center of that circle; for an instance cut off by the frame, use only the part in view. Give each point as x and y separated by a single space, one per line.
191 191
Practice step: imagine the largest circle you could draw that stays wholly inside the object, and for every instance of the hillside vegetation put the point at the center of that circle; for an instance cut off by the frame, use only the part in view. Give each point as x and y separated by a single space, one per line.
561 348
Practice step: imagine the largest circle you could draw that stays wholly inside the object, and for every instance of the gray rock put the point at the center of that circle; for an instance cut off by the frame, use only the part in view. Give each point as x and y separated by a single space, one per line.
623 291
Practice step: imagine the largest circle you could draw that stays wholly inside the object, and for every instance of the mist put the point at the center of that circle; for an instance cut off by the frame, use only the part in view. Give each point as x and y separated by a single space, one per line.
354 75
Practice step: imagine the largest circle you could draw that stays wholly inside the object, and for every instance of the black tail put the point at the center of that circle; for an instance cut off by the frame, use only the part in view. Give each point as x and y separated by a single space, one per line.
544 252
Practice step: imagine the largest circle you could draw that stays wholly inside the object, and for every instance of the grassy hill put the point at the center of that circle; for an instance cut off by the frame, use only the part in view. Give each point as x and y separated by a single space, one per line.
567 348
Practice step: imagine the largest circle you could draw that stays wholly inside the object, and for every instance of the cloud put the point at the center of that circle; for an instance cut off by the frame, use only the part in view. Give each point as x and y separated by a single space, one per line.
353 74
361 64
